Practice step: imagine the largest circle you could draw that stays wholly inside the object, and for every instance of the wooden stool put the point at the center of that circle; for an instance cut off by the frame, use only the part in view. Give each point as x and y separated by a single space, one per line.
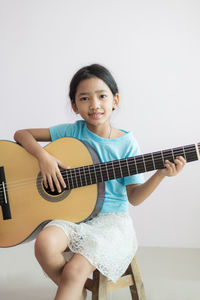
101 285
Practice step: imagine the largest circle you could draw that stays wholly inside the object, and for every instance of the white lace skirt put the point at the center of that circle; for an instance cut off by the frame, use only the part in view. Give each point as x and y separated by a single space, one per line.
108 241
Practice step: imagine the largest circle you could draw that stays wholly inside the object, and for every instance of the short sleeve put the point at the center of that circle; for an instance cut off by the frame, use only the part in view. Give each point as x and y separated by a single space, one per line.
133 150
62 130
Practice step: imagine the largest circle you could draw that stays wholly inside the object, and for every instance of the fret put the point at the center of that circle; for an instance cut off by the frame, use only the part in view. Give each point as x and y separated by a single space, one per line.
85 175
167 154
140 164
120 168
191 153
88 175
78 178
81 183
144 163
132 167
128 167
110 170
158 160
149 162
113 170
71 178
125 170
70 184
117 169
197 151
67 180
178 152
184 153
154 167
163 161
93 174
107 171
74 179
83 178
173 155
135 164
103 173
98 173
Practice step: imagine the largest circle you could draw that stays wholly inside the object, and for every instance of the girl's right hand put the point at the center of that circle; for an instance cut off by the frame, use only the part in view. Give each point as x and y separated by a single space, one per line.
49 167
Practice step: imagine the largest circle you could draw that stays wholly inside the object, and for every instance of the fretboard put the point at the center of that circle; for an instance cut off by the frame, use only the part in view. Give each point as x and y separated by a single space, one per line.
92 174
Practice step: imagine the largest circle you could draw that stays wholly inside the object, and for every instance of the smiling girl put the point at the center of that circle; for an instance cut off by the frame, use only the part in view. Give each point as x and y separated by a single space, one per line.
108 241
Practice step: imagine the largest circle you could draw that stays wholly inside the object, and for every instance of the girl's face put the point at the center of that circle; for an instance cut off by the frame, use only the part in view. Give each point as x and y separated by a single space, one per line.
94 101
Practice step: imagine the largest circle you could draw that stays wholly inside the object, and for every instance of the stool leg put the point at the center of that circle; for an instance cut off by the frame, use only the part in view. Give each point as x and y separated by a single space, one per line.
95 290
102 287
137 292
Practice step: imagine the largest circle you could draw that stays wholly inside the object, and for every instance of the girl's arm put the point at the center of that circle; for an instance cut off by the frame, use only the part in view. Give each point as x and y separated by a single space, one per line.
28 139
48 164
138 193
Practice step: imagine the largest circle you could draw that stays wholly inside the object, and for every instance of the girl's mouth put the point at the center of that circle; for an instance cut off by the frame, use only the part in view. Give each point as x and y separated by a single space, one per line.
95 115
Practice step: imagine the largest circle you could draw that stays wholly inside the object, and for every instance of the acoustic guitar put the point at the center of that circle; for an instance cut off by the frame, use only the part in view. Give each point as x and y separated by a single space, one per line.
26 206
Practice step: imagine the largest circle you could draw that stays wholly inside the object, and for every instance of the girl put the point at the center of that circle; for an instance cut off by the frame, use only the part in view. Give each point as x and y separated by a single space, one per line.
108 241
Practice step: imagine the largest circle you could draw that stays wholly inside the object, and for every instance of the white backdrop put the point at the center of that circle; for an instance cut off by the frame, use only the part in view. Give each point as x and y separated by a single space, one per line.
151 47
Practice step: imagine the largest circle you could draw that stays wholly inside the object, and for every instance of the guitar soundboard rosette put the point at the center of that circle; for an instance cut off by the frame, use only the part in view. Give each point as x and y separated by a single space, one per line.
47 194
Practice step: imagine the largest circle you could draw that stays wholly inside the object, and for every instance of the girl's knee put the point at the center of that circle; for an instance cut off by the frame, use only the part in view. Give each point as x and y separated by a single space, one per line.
43 244
76 271
71 272
47 242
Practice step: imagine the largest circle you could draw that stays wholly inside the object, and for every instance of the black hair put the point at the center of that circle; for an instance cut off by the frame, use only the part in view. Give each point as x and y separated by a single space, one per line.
94 70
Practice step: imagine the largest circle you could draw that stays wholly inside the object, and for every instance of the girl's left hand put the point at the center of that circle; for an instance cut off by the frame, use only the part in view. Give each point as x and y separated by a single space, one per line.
172 169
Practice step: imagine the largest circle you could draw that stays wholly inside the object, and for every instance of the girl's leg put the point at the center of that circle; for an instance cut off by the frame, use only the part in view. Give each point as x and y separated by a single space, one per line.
73 278
51 242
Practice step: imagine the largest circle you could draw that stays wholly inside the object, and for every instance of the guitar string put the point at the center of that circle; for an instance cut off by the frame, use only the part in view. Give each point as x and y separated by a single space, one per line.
102 167
71 176
138 158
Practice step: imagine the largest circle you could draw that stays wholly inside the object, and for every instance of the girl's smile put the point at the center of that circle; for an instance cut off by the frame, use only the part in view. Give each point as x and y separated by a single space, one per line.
95 116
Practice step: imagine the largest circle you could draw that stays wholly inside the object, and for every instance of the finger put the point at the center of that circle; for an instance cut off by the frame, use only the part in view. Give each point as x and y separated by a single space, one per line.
61 179
170 167
45 181
57 183
182 159
174 170
179 164
50 182
62 165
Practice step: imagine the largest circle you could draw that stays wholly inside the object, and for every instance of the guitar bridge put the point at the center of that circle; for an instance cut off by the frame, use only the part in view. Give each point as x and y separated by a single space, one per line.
4 201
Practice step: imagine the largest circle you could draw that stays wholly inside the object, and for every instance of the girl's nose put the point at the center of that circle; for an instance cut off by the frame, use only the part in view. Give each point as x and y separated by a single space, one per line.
94 103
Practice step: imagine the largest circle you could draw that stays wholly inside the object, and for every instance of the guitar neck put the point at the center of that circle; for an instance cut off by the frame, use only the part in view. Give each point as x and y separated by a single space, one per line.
92 174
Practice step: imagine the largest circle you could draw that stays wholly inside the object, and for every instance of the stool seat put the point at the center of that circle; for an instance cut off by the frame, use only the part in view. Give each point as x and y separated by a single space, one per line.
100 285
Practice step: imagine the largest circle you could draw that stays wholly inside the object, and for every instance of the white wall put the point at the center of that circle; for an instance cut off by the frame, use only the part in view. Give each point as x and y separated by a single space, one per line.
151 47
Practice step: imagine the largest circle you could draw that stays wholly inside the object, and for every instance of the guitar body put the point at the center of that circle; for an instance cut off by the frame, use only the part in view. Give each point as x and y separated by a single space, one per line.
31 206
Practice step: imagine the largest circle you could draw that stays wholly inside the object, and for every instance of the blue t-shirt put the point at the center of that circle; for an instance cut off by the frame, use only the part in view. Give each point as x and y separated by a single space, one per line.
116 199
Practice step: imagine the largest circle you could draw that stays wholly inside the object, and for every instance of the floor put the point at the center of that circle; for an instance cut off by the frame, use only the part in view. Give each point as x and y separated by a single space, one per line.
168 274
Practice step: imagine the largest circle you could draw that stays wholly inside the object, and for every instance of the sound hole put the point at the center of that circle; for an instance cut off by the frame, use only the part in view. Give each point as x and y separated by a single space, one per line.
50 192
47 194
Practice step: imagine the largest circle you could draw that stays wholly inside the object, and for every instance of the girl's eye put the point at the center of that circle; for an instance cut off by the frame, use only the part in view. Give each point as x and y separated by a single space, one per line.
103 96
84 98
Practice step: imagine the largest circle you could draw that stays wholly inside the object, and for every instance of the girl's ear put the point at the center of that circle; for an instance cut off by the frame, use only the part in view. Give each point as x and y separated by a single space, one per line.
75 109
115 101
